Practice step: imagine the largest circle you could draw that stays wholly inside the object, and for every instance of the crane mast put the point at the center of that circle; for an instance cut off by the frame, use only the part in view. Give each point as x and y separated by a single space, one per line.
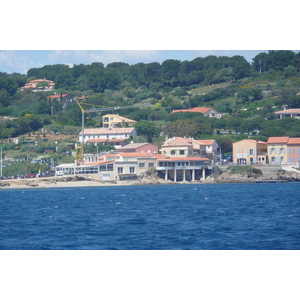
94 109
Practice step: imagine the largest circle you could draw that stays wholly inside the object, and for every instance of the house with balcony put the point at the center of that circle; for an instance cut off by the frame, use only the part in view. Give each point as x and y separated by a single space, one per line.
205 111
39 85
288 113
250 151
178 146
113 121
107 133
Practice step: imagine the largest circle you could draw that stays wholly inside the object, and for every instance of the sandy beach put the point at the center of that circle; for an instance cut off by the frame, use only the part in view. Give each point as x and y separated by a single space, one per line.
62 182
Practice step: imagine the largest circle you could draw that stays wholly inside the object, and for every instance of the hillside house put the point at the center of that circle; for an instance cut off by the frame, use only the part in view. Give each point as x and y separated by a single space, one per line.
111 120
33 85
289 113
207 112
65 98
107 133
249 151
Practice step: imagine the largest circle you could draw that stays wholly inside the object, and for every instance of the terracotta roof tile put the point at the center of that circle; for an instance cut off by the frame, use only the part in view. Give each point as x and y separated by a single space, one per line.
294 141
278 140
202 110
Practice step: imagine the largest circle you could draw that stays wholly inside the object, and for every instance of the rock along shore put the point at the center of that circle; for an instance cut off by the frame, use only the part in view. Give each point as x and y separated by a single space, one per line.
78 181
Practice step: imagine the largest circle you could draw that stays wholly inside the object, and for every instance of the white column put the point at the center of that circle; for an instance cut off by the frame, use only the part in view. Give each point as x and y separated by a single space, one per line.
203 173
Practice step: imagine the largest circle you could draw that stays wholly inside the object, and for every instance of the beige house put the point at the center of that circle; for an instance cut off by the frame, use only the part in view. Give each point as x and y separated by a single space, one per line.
289 113
107 133
177 146
278 150
111 120
249 152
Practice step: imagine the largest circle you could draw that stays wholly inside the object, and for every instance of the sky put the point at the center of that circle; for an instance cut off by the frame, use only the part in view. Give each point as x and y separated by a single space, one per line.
20 61
131 32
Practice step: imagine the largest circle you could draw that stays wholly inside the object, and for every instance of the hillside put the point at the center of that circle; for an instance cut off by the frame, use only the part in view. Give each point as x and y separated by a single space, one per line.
244 93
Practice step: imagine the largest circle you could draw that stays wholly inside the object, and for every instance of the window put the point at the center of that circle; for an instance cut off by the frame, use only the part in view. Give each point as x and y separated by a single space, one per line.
151 165
239 150
281 151
102 167
132 170
172 152
291 150
298 151
273 151
251 152
110 167
120 170
181 152
273 159
142 165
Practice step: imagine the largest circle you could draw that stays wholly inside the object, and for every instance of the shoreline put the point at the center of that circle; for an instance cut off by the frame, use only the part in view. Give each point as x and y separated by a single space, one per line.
68 182
76 181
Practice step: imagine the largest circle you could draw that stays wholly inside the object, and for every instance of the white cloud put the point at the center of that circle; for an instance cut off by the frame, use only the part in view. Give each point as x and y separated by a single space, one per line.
14 61
104 56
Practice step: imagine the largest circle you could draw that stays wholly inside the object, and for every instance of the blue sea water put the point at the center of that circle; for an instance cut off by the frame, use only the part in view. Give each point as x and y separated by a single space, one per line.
191 216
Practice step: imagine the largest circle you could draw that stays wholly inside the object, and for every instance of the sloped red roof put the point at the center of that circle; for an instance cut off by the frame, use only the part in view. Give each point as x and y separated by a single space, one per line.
294 141
177 141
278 140
202 110
97 140
57 96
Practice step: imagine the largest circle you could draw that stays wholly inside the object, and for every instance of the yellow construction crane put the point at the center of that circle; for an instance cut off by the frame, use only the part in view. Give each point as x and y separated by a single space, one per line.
94 109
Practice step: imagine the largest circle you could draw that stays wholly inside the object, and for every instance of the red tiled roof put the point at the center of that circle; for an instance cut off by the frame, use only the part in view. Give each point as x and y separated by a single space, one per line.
57 96
278 140
202 110
288 111
177 141
117 140
204 142
252 141
97 140
294 141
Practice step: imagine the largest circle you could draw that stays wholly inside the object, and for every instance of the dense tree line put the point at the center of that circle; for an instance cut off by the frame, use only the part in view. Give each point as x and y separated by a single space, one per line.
167 87
171 72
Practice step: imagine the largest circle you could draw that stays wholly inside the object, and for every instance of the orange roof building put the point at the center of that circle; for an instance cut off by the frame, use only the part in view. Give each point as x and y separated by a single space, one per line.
249 151
208 112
